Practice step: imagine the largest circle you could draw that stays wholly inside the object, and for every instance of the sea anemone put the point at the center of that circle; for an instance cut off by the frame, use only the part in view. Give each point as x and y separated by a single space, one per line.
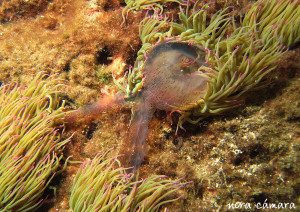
101 184
275 20
30 145
136 5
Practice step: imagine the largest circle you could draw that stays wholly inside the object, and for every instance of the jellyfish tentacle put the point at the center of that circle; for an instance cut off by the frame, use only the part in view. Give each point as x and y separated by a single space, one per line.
134 149
91 112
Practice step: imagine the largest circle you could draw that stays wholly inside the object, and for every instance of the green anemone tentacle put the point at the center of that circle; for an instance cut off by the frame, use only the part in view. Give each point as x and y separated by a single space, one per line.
101 184
239 54
30 147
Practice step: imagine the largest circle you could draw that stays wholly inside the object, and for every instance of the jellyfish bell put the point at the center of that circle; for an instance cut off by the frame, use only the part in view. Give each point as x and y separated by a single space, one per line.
172 81
171 77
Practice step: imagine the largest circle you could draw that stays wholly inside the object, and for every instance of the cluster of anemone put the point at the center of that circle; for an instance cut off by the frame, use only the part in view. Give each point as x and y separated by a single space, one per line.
239 54
157 5
30 146
275 20
102 184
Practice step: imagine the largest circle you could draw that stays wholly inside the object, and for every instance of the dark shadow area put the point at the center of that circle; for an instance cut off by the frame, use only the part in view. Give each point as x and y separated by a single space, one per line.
67 67
103 56
130 60
90 130
295 46
122 4
50 194
112 5
260 198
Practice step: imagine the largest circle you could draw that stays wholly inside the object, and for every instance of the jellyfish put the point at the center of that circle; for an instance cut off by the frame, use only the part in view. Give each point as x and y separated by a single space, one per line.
172 81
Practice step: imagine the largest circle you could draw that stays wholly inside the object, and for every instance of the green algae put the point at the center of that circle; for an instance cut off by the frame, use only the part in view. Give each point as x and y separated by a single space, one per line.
137 5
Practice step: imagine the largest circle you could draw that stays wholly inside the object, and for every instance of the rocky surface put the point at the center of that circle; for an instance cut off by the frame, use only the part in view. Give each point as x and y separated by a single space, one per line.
247 155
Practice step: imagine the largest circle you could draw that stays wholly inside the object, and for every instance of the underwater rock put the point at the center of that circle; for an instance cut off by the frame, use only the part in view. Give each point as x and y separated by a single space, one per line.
192 68
246 155
11 10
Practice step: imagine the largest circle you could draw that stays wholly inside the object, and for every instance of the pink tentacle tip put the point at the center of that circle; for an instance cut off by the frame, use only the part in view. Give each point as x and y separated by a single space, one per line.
127 176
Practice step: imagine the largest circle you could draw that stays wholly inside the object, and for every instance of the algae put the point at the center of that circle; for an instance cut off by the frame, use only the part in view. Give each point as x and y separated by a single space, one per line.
228 158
